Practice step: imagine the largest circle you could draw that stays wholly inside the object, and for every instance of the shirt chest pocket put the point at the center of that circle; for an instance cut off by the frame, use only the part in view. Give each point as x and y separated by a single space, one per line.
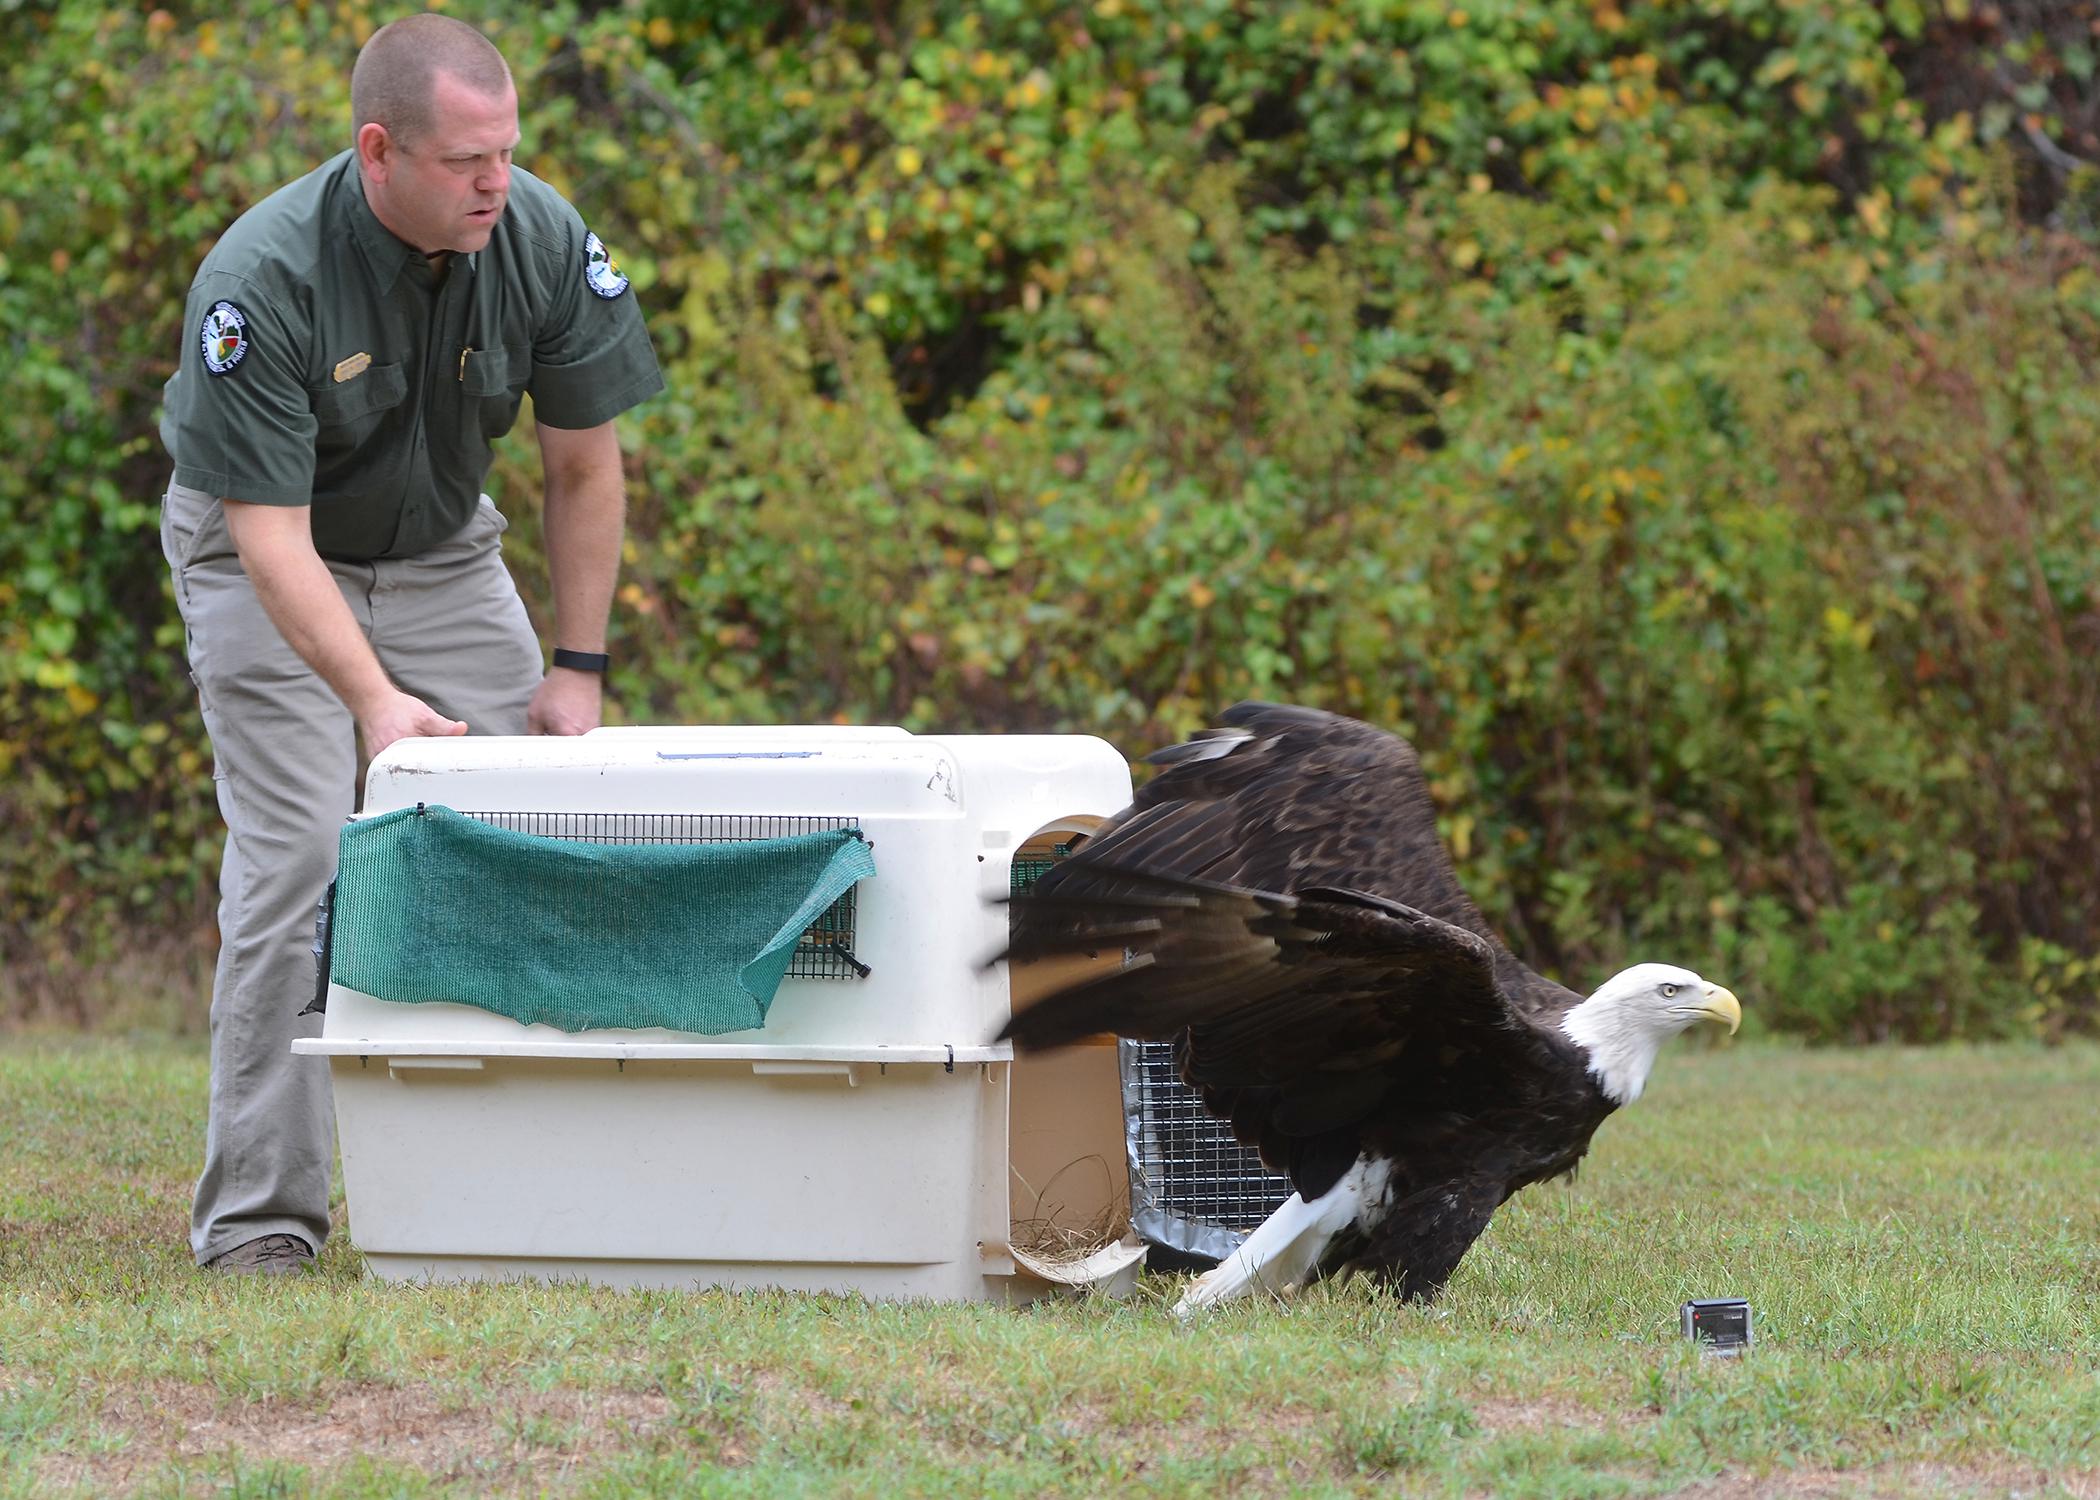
348 411
495 379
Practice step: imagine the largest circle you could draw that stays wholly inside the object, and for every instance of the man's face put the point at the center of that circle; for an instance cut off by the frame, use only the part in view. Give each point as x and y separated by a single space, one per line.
446 190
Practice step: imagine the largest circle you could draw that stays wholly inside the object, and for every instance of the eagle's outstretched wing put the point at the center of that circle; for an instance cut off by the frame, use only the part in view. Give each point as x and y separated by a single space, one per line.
1287 912
1278 798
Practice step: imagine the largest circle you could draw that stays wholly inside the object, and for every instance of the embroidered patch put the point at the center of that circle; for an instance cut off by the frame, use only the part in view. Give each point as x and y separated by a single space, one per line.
599 268
224 337
351 368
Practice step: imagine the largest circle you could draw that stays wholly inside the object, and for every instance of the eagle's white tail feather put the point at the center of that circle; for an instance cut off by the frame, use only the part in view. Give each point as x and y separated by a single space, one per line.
1282 1254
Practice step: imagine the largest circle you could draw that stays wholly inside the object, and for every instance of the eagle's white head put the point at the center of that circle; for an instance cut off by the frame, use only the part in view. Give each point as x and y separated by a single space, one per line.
1633 1013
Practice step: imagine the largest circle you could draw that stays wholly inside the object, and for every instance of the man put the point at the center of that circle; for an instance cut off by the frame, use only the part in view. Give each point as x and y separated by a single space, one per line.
352 347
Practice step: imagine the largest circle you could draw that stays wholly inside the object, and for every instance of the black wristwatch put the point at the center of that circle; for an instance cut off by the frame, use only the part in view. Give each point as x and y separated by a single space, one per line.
582 661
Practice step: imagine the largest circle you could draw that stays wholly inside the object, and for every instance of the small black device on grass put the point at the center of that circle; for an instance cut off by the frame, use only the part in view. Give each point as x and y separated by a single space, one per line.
1719 1325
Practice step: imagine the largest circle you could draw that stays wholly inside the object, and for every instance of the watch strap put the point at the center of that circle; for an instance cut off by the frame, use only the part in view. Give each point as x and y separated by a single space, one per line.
581 661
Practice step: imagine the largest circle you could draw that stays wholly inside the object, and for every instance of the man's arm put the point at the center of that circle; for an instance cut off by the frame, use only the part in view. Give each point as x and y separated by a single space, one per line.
585 512
276 548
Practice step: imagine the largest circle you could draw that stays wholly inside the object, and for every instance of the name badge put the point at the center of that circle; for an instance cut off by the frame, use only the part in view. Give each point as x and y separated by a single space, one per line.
352 367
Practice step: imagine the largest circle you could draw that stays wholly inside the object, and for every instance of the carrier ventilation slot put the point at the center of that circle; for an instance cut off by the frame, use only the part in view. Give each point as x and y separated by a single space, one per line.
826 949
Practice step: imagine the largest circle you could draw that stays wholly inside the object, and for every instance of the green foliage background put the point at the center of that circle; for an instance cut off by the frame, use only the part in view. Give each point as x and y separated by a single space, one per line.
1679 418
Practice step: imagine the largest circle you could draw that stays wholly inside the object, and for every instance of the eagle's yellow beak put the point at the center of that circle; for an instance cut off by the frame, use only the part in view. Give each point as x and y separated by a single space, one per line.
1721 1005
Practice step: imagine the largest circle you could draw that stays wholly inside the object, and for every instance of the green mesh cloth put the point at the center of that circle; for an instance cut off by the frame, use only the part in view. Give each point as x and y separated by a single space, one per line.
430 905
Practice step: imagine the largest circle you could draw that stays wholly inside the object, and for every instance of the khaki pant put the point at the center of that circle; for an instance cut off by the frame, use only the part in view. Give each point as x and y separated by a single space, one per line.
448 627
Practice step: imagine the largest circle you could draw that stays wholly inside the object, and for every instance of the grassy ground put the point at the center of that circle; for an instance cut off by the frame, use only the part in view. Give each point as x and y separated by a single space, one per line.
1919 1233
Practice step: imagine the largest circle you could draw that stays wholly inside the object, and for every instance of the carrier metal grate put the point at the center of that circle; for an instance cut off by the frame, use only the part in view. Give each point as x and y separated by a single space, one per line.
1027 871
826 949
1194 1173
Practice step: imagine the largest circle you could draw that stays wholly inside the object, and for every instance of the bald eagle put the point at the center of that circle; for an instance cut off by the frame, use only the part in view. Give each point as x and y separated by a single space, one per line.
1287 915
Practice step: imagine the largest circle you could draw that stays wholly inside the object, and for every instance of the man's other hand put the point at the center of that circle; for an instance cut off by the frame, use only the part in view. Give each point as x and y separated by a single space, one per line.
566 702
401 716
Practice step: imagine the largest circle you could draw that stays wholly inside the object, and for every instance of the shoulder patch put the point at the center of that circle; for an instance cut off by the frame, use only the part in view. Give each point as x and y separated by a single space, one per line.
600 270
223 337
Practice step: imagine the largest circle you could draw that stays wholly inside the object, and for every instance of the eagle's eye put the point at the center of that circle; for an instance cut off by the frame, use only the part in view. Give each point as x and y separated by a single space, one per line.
1669 990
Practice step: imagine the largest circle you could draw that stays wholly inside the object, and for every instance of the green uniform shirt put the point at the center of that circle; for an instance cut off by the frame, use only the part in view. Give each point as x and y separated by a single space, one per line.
324 364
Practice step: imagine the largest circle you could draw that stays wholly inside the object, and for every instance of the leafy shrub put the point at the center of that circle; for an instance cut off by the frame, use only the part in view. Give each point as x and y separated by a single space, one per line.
1660 412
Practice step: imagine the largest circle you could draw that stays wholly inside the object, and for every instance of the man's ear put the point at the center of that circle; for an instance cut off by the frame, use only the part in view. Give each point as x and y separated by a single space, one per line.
376 151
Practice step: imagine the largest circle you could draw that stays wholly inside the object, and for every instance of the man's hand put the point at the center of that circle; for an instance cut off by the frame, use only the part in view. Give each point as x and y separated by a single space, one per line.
566 702
398 716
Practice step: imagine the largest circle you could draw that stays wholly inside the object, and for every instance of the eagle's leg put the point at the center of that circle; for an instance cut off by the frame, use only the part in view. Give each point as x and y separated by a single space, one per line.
1290 1247
1416 1247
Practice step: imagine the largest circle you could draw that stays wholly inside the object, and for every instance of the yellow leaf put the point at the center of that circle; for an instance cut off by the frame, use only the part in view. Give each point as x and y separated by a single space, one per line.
1873 212
909 161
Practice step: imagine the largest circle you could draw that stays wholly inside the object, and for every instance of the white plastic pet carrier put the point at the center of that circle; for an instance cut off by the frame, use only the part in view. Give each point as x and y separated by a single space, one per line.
869 1136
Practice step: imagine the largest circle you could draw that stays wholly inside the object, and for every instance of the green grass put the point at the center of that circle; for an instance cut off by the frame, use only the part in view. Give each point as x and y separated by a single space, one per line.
1919 1233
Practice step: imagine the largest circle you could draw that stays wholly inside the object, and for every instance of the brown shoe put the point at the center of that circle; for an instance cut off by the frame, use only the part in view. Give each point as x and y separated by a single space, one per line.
272 1255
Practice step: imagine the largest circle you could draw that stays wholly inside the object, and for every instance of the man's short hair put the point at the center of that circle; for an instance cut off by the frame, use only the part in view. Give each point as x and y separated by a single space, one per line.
394 78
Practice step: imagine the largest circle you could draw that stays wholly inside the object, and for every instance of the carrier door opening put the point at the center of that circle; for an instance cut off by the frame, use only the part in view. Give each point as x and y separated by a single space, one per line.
1068 1179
